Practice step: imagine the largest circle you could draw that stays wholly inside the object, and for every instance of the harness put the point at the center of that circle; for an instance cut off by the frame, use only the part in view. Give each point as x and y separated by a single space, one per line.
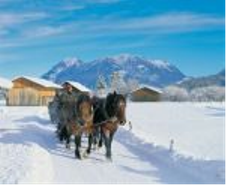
108 118
79 125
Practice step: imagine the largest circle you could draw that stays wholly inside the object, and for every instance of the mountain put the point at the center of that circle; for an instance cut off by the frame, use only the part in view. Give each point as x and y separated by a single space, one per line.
61 67
152 72
212 80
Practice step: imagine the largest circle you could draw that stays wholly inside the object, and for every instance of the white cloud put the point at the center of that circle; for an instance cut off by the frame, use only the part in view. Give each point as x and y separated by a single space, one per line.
101 1
12 19
72 7
160 24
43 31
169 22
92 29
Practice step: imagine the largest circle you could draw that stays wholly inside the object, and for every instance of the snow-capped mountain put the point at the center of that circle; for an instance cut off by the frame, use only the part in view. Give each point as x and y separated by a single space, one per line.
152 72
62 66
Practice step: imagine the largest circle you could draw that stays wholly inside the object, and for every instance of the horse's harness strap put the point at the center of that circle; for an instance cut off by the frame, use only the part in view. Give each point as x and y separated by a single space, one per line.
104 110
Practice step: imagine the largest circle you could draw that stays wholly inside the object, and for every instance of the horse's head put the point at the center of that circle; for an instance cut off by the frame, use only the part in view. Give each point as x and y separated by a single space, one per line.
85 108
116 106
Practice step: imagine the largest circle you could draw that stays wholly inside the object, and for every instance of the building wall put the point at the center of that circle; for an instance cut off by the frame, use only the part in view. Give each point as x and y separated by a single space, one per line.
26 93
46 96
145 95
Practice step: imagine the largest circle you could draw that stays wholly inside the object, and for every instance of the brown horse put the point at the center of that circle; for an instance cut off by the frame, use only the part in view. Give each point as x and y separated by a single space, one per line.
83 123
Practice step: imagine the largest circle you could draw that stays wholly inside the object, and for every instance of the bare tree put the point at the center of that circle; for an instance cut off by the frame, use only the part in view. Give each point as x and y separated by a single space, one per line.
210 93
117 83
101 86
174 93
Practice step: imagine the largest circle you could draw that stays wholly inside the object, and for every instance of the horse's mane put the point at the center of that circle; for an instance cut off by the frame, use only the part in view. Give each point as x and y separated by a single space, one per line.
82 98
111 103
106 107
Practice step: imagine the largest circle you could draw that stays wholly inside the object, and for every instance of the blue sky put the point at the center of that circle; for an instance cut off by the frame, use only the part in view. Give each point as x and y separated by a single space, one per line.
36 34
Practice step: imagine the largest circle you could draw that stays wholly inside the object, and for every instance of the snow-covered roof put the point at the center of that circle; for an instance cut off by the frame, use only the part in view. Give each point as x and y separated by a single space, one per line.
5 83
40 81
78 86
149 87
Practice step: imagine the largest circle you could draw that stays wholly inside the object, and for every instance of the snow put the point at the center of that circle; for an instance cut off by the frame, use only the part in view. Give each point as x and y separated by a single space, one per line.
198 129
23 159
68 62
123 58
162 72
40 81
5 83
62 66
184 80
31 153
149 87
160 64
78 86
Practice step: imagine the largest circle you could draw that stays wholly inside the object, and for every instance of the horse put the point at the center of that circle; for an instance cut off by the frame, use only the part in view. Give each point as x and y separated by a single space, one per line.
109 113
83 122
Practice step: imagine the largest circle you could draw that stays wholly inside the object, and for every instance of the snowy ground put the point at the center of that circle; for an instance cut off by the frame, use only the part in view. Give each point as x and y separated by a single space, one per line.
30 152
2 102
198 130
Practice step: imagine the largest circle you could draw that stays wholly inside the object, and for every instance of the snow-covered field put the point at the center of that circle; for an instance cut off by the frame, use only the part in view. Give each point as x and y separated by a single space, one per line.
198 129
30 152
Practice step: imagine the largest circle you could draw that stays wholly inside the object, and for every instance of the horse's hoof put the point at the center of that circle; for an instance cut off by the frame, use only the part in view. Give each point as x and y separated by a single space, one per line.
98 148
85 154
77 154
88 151
100 145
108 158
67 146
95 147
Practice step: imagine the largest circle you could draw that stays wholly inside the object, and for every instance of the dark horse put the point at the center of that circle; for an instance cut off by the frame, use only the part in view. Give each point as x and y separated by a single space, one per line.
109 113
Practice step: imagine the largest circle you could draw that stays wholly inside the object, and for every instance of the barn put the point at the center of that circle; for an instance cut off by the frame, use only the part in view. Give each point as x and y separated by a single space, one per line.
78 87
31 91
146 93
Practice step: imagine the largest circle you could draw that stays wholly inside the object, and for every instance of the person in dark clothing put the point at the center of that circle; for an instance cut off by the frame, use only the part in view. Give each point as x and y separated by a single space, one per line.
67 111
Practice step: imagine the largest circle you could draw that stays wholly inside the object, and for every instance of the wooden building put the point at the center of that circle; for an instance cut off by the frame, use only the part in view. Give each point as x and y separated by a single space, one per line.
30 91
146 93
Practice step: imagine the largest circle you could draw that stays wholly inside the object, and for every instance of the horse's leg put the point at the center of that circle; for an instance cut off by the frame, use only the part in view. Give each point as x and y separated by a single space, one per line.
67 136
77 144
100 136
62 133
110 143
90 140
107 141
